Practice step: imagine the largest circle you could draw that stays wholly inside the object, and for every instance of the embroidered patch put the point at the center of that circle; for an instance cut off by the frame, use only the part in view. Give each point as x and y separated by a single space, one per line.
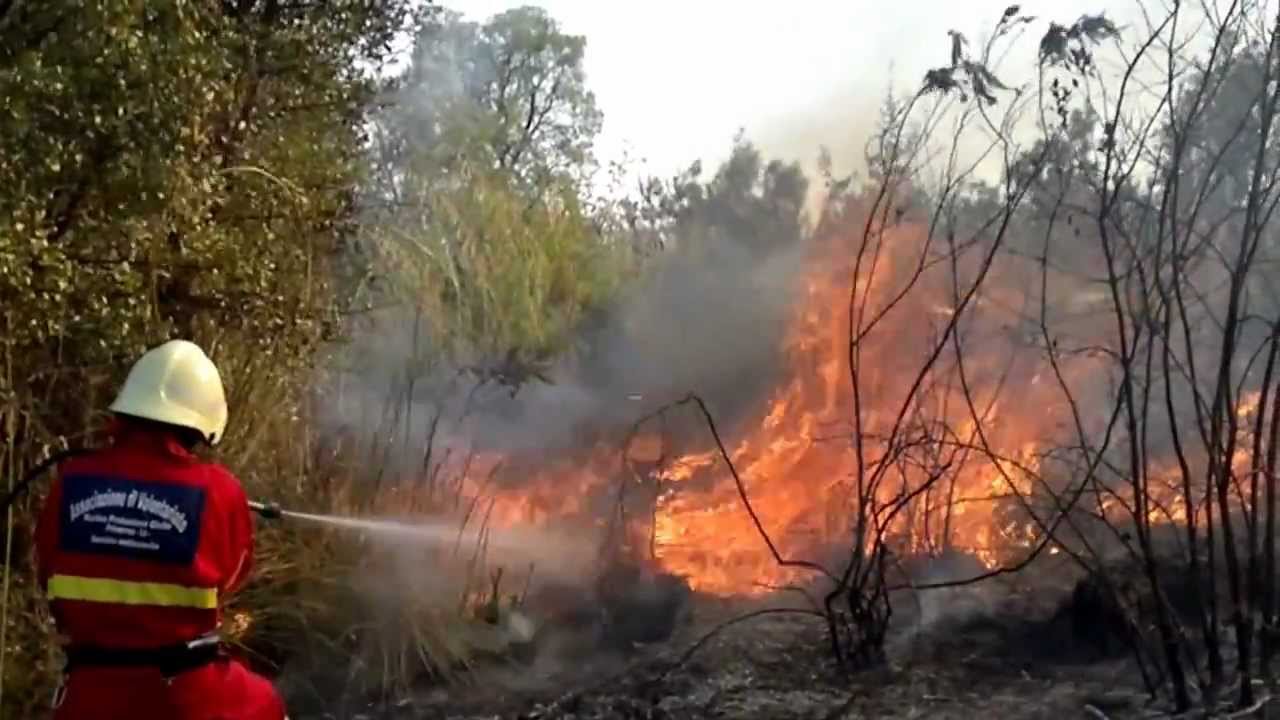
126 518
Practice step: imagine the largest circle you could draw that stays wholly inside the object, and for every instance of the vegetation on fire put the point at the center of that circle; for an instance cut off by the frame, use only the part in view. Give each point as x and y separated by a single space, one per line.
1148 243
265 178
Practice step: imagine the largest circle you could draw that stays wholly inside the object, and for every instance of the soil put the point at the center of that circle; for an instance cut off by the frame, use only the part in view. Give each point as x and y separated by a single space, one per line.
964 656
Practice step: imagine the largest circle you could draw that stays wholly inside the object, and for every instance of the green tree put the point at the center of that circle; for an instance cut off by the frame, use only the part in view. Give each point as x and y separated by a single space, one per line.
508 94
501 281
479 220
747 203
166 169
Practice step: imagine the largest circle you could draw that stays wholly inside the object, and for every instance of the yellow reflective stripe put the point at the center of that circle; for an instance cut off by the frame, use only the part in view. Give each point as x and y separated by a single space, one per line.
125 592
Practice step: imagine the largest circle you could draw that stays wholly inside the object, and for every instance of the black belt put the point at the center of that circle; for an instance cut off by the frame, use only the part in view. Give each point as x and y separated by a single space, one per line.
170 660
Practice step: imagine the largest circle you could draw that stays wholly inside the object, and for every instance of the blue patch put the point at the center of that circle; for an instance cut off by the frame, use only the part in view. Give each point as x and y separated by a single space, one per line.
126 518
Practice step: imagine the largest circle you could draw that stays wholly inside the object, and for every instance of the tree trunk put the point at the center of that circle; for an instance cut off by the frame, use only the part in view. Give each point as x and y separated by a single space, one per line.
1269 545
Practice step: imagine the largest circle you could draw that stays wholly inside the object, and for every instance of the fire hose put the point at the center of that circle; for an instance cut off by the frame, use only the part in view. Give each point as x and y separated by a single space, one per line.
35 472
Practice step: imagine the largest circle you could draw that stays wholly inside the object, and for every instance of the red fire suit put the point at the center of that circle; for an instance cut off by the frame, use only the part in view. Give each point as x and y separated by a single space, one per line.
137 544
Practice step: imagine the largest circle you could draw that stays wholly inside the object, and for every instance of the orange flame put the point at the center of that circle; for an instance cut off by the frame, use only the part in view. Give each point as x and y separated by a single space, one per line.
798 460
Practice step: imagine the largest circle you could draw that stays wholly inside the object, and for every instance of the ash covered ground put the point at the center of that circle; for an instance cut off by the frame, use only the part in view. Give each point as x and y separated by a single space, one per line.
1007 648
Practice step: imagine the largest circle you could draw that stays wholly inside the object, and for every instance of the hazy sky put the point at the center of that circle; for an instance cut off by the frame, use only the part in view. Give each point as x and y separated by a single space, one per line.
676 79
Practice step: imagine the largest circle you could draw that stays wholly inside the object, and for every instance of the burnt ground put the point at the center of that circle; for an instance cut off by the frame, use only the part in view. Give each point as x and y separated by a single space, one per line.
1042 644
959 655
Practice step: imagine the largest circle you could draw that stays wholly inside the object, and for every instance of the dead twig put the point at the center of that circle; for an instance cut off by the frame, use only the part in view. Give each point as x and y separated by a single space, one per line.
742 493
1200 712
715 631
1246 712
1094 712
844 707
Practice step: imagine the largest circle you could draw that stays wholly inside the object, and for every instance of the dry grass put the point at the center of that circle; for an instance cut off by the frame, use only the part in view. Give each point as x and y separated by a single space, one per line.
343 617
341 620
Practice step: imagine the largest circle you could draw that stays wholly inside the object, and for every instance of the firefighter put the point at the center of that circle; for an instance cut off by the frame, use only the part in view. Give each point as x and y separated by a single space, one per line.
137 546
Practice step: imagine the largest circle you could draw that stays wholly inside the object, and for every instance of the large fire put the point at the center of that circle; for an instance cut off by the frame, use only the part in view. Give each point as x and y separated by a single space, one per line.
966 480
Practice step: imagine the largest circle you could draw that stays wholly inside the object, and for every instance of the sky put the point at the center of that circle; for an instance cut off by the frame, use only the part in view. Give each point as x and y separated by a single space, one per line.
676 79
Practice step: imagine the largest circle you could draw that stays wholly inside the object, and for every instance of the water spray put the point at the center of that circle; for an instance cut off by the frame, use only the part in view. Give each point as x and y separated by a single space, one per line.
422 530
567 550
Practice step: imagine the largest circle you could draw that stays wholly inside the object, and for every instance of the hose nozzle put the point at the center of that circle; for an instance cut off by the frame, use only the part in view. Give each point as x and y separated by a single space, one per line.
269 510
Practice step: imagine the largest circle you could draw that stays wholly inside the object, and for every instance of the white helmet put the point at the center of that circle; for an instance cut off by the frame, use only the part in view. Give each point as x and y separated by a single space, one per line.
176 383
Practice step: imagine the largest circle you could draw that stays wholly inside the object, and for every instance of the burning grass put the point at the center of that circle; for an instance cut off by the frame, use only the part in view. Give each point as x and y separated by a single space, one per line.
794 453
356 620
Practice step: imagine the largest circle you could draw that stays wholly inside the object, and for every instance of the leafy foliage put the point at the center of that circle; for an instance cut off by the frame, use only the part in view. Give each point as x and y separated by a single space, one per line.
169 169
477 220
509 94
175 169
499 278
747 202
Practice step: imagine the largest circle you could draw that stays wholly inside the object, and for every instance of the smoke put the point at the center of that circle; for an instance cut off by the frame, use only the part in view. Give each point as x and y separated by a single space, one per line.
710 324
705 318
